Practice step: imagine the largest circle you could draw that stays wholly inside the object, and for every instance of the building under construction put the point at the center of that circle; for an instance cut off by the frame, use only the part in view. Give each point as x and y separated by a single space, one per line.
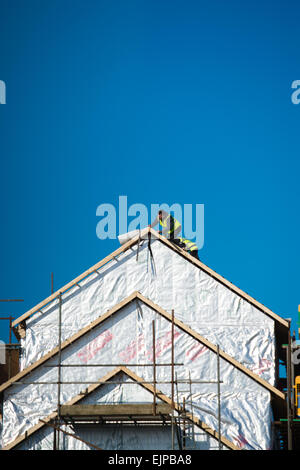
149 349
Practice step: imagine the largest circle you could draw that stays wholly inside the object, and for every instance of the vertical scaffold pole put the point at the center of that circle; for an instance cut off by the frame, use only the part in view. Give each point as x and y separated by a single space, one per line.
59 366
154 369
289 387
219 397
172 378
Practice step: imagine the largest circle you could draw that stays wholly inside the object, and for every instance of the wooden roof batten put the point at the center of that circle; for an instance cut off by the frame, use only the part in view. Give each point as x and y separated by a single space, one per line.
282 323
277 394
129 244
105 380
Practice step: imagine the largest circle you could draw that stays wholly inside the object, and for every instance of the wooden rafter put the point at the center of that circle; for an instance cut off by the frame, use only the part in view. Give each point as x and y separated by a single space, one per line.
139 380
67 342
138 296
282 322
79 278
179 409
53 415
182 326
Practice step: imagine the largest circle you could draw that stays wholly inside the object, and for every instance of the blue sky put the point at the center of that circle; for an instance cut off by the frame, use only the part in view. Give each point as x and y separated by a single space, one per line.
161 101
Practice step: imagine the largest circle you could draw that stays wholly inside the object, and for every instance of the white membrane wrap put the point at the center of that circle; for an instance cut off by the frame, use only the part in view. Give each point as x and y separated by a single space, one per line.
198 300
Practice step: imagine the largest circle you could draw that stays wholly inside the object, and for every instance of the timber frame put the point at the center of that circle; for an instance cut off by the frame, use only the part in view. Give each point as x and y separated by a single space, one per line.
105 379
277 395
282 327
280 322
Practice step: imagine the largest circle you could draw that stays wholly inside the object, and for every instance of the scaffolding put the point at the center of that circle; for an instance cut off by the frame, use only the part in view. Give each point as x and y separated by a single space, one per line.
288 427
179 416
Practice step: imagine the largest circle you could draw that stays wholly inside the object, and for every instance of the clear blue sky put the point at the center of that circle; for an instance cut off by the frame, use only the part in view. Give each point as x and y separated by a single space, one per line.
162 101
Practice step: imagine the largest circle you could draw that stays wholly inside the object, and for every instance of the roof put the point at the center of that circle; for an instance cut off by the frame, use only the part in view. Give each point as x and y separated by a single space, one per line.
282 325
105 379
277 395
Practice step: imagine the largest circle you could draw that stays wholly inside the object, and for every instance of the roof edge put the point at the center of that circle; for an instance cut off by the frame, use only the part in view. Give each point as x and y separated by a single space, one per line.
105 379
223 280
134 296
284 323
82 276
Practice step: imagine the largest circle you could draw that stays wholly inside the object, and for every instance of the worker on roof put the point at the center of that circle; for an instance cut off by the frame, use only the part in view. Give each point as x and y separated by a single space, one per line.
188 246
169 226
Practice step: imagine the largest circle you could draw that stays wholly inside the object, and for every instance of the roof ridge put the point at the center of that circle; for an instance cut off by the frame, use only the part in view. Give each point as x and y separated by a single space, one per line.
178 250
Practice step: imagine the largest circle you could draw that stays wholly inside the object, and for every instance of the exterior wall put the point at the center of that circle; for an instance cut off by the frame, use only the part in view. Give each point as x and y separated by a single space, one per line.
119 438
127 337
210 308
116 437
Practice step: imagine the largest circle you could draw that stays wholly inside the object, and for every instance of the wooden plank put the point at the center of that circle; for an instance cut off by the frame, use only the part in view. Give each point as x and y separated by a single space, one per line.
118 409
140 381
180 409
74 436
175 248
28 433
53 415
212 347
86 273
136 295
221 279
69 341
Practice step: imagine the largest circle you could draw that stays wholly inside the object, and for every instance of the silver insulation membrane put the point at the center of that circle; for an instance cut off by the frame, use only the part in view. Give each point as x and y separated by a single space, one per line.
201 302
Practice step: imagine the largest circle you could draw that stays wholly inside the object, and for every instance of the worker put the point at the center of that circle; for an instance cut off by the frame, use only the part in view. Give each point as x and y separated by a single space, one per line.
170 226
188 246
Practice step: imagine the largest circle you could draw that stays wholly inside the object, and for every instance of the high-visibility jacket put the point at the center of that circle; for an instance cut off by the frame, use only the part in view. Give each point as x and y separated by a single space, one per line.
169 222
189 245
